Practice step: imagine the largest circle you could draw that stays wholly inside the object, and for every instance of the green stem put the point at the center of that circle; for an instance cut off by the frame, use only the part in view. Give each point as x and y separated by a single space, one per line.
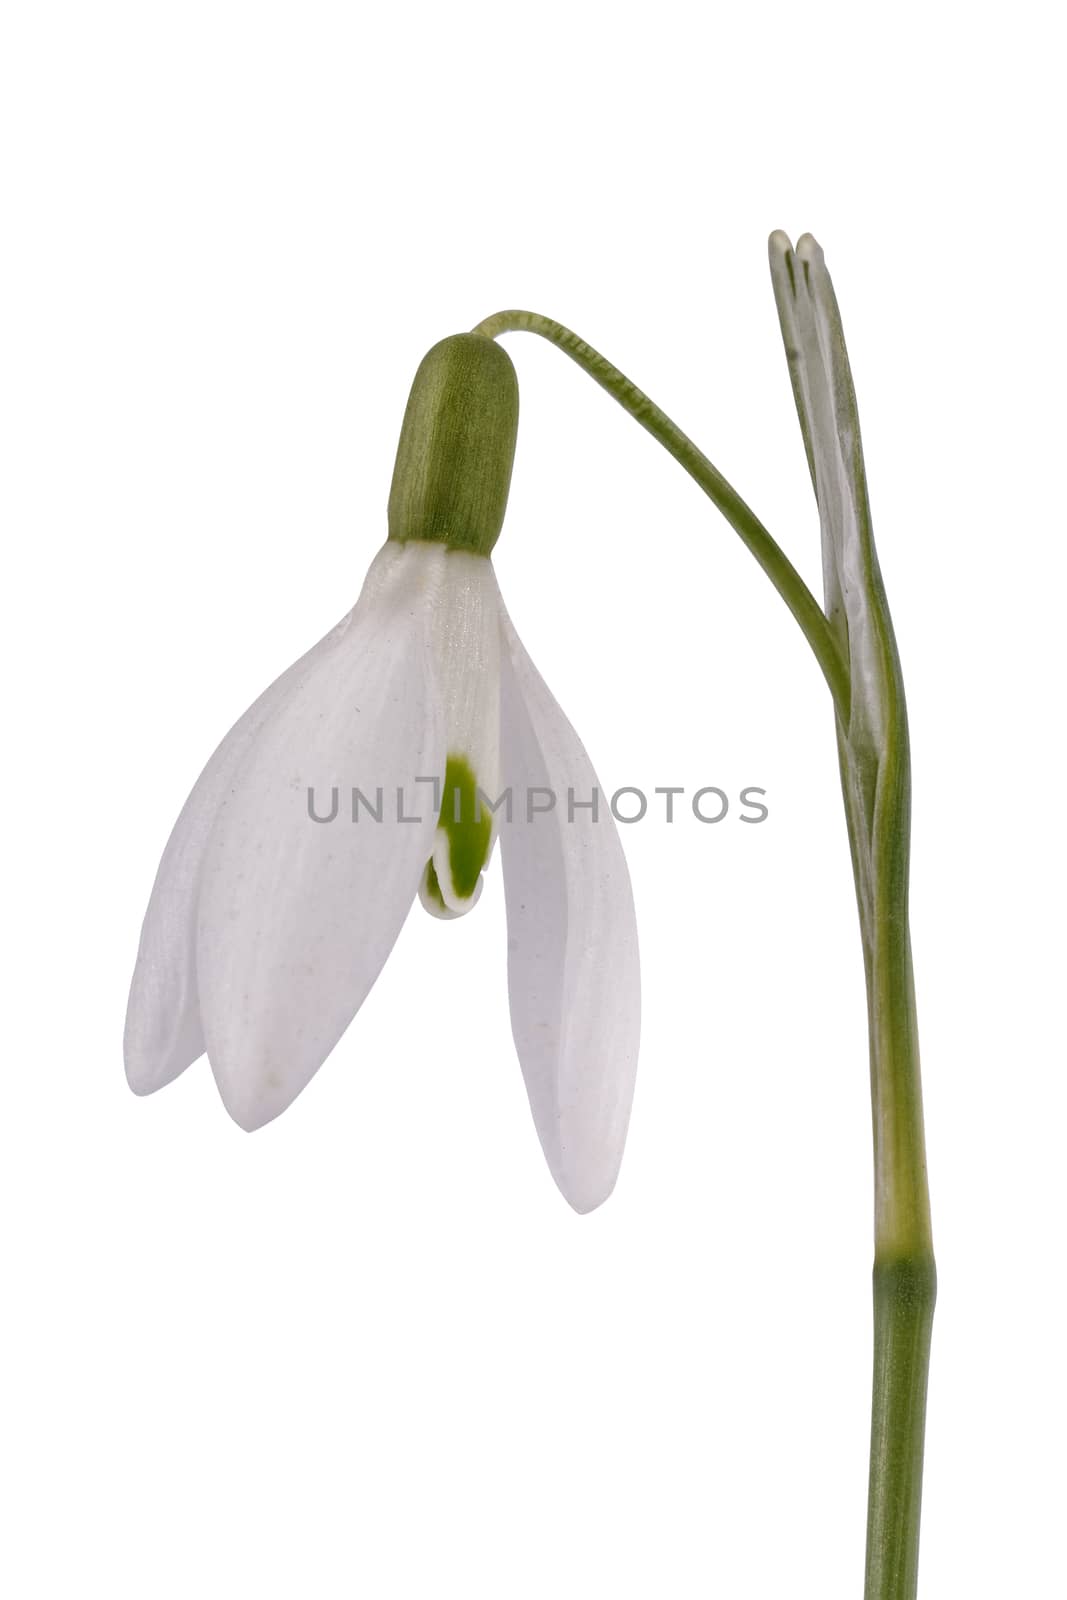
786 579
905 1278
905 1282
904 1292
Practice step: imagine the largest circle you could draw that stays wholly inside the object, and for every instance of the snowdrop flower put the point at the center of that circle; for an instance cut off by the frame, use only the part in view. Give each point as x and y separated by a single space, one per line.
266 928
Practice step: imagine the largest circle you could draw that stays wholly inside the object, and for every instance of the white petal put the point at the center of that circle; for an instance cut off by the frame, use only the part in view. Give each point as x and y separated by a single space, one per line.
297 917
163 1034
573 972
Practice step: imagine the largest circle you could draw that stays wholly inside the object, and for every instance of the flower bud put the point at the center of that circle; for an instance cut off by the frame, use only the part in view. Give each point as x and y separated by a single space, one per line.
457 445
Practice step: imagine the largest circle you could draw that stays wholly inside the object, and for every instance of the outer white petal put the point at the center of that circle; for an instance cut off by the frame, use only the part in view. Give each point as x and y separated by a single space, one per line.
297 917
163 1034
573 970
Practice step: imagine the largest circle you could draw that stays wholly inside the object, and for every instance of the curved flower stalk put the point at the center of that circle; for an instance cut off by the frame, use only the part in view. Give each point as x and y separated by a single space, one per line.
852 641
266 928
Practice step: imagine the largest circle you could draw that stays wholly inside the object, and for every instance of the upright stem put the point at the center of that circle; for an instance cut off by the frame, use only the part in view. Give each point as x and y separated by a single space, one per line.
904 1292
905 1279
875 775
786 579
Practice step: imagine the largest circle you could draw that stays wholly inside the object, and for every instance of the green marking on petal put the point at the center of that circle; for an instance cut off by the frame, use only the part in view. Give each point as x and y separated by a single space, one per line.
468 826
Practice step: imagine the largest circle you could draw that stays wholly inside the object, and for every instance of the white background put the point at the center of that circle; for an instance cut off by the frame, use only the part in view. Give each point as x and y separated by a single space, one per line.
369 1350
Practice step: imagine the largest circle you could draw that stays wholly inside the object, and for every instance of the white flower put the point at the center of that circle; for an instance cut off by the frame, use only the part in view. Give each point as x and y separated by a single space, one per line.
266 929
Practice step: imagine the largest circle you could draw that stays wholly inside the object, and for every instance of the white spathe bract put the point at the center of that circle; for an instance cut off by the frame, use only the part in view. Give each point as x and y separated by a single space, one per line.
265 931
829 419
855 601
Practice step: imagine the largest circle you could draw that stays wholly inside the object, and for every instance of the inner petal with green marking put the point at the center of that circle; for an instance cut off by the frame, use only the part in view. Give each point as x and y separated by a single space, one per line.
453 877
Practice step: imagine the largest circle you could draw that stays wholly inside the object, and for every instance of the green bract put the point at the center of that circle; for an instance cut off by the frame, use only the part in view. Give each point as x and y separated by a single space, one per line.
457 445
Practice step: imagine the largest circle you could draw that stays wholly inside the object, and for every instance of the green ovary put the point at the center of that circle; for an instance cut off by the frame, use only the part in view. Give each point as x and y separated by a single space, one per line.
467 825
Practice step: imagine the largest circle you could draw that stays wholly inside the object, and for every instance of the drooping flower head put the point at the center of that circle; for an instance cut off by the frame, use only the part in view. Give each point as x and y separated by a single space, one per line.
424 721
